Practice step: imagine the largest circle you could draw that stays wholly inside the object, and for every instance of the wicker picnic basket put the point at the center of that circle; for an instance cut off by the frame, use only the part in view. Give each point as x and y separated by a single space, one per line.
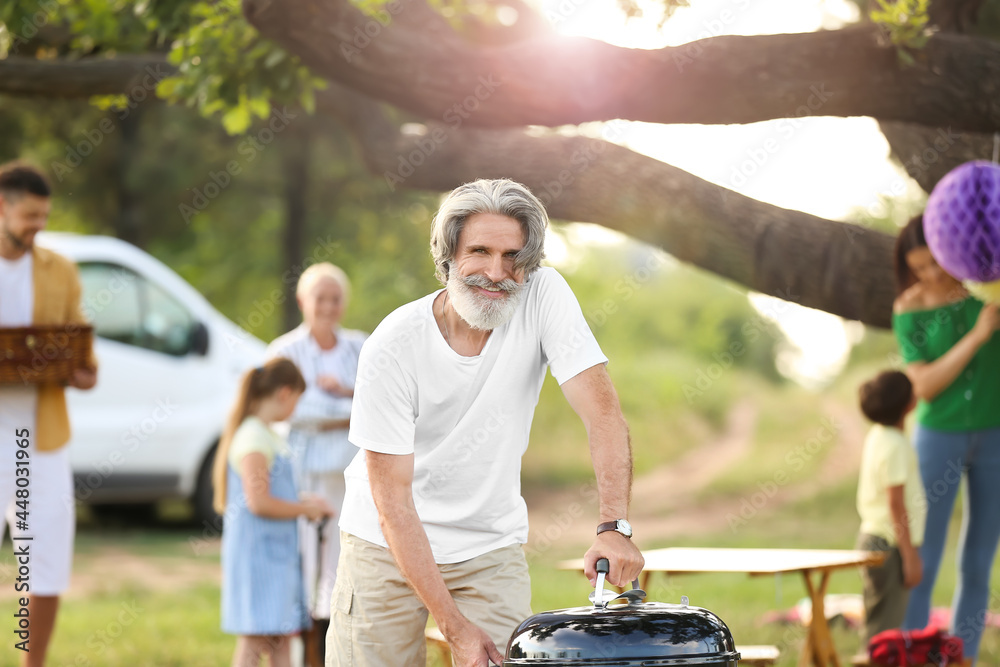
32 355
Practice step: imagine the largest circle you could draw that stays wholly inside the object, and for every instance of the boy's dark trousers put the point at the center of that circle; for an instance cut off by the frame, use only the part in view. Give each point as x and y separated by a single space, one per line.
884 593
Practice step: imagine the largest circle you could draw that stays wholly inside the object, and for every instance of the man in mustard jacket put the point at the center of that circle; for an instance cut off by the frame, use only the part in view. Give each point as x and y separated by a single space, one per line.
37 287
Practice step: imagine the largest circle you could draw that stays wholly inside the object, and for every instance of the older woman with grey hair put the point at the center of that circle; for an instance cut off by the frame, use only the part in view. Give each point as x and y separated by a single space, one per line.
327 356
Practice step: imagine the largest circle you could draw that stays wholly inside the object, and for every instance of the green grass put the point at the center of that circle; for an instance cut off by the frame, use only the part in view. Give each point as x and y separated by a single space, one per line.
141 625
138 623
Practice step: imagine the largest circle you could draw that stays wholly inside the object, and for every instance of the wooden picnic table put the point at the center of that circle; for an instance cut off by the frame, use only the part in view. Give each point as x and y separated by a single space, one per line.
815 565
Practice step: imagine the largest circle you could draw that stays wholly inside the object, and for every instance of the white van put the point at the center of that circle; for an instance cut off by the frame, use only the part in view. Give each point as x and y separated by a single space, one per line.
169 369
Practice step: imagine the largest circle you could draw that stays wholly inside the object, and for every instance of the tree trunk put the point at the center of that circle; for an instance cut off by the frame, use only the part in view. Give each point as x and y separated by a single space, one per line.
295 159
928 154
128 218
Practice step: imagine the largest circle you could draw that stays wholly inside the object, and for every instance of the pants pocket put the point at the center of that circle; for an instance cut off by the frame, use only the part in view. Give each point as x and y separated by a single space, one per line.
343 596
340 635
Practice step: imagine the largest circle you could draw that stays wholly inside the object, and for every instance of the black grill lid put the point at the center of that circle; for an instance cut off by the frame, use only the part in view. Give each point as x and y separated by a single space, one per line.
651 633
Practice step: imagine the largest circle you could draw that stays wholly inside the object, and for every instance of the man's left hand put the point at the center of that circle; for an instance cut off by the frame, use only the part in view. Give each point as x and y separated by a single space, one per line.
83 378
624 557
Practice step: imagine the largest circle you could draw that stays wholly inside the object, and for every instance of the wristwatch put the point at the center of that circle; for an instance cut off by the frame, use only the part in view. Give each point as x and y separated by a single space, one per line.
618 525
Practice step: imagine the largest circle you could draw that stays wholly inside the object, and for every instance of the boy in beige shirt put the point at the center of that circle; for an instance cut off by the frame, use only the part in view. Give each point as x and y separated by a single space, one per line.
890 500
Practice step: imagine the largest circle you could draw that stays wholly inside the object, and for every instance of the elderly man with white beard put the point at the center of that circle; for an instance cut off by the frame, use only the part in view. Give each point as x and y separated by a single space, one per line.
434 521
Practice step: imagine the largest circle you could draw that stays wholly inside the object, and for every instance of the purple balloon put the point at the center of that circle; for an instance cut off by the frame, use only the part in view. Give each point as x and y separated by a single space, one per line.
962 222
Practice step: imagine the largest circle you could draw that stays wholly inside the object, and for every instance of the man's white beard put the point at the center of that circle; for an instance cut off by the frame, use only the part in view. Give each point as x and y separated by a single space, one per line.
482 312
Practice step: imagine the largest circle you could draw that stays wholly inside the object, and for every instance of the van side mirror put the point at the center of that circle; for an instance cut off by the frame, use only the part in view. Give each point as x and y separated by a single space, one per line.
198 339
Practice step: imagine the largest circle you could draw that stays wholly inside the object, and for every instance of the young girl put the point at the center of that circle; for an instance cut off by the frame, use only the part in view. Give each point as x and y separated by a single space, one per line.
263 600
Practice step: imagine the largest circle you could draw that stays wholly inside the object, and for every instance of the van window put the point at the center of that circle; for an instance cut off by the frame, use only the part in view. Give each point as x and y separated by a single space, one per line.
125 307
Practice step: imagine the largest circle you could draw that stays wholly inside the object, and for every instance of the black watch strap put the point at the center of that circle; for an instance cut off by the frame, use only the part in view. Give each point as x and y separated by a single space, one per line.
613 525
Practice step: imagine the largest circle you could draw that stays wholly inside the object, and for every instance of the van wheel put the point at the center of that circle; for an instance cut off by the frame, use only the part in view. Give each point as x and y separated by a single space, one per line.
129 514
204 513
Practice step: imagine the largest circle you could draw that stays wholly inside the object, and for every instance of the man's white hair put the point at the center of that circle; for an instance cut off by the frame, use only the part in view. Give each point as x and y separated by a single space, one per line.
499 196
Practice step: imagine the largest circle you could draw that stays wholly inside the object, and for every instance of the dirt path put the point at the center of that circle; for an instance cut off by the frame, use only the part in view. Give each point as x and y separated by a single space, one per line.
664 501
661 499
113 569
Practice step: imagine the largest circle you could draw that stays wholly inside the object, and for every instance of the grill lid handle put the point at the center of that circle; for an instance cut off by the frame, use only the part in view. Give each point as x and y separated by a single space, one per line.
603 567
601 599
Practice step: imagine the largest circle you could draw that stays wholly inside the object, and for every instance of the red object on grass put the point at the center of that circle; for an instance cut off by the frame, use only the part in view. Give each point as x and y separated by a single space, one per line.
902 648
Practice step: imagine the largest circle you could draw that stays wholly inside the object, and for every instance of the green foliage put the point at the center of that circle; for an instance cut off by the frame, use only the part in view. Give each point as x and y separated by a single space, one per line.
905 21
683 347
226 69
232 249
988 20
122 25
641 300
96 26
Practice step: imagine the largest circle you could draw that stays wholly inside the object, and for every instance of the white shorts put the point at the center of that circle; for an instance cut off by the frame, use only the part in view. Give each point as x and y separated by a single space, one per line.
50 515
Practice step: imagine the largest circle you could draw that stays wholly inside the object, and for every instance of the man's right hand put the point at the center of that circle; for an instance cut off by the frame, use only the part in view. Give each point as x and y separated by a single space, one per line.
472 647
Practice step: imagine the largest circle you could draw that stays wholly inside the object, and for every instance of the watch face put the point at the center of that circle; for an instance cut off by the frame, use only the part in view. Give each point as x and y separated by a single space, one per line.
624 527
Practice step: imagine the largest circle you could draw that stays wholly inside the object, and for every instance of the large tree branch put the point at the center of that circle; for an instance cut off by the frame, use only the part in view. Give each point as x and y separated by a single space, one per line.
840 268
418 63
81 78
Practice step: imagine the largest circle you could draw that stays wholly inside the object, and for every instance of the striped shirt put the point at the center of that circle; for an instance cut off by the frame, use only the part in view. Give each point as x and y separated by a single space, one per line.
326 451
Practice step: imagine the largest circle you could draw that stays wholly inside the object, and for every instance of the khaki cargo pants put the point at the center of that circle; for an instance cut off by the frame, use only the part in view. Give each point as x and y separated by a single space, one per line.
377 620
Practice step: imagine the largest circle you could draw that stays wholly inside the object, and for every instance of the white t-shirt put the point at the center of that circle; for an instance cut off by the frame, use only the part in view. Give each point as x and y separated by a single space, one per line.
888 460
466 420
18 403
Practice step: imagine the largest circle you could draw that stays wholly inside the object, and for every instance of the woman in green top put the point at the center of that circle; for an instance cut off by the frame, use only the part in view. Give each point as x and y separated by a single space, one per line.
953 359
